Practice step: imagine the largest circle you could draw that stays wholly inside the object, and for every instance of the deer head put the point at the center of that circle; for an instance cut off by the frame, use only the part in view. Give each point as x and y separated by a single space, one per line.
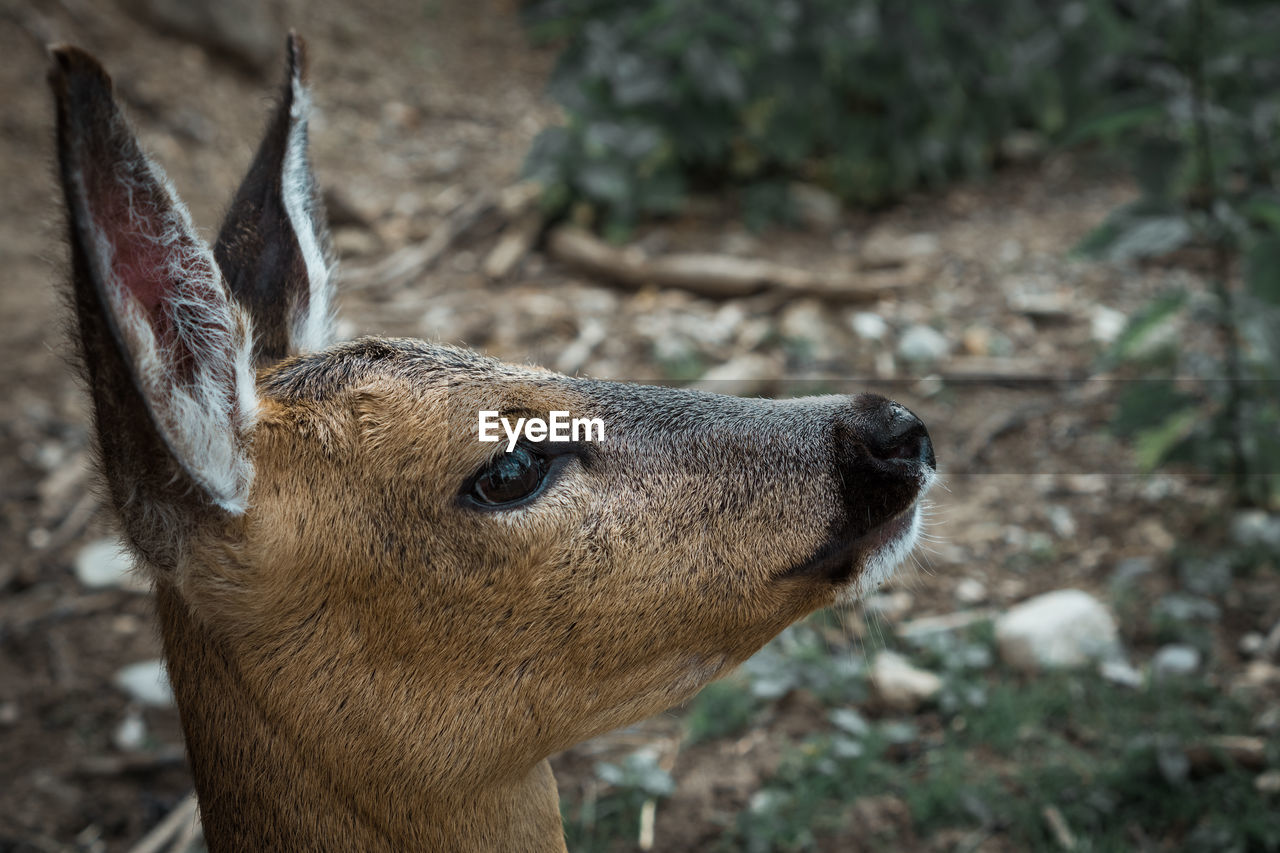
378 626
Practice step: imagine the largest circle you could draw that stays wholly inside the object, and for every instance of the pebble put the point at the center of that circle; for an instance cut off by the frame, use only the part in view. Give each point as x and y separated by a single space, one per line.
1175 661
922 343
868 326
1256 528
104 563
1063 629
970 591
1120 672
900 685
131 734
147 682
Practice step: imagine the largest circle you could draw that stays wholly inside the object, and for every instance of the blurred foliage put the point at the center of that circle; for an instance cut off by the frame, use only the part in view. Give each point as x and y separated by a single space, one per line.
871 99
1110 758
867 98
597 822
1200 116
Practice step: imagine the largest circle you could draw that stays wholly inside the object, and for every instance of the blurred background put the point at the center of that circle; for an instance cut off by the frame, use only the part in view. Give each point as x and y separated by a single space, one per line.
1050 227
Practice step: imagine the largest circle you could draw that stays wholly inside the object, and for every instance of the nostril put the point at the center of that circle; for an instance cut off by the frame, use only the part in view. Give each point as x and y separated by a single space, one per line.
903 436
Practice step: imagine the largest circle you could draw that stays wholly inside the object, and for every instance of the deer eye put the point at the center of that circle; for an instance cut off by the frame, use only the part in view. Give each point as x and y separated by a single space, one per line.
510 478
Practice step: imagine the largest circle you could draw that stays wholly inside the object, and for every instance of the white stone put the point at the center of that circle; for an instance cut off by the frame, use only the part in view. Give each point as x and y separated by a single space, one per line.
971 591
868 326
131 734
891 605
1120 672
104 563
147 682
1252 643
923 343
900 685
1175 660
1063 629
1256 528
1106 324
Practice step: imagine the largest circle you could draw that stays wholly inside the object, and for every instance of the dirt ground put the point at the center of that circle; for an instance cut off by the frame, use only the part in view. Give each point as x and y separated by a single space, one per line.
421 106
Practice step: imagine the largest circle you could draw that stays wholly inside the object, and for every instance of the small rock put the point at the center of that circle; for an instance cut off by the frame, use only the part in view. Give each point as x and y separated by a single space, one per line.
816 207
1267 783
9 713
970 591
1120 672
850 721
923 344
147 682
131 734
1252 644
891 605
1061 520
1258 674
104 563
1041 306
1062 629
1175 661
900 685
1106 324
1256 528
976 340
868 326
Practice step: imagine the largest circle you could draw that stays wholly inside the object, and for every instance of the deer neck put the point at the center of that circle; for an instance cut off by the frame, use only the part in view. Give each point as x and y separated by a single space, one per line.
258 790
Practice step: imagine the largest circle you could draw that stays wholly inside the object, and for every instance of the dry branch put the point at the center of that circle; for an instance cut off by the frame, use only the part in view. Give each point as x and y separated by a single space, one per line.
403 266
515 243
174 823
717 276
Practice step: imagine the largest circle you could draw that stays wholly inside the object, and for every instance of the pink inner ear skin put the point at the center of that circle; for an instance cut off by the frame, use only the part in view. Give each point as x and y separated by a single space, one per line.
146 250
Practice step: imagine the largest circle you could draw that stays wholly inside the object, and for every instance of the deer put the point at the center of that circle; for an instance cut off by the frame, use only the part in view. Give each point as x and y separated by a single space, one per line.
378 628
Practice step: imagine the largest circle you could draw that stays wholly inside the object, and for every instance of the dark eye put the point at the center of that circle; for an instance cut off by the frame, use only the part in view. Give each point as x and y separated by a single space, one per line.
511 477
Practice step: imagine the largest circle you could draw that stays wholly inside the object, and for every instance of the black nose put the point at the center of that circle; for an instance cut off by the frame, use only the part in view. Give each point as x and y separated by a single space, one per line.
895 433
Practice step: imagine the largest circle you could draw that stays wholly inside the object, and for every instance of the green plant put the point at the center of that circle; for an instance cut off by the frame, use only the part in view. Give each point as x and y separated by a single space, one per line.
867 98
1200 112
593 822
1108 758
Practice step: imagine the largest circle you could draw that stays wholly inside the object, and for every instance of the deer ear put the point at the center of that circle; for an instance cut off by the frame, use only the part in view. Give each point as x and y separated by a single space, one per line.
166 352
274 244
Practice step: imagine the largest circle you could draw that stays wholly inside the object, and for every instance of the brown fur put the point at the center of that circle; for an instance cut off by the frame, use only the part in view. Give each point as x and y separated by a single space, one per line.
364 660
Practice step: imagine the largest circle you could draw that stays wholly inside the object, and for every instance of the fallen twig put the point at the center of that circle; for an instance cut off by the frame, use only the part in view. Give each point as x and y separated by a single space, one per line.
408 263
173 824
515 243
1058 827
718 276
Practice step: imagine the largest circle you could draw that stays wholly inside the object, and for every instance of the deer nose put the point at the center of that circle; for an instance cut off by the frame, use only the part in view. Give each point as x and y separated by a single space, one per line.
896 433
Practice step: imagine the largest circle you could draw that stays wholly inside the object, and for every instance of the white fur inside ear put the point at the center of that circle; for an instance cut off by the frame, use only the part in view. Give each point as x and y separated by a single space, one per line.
312 325
204 414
